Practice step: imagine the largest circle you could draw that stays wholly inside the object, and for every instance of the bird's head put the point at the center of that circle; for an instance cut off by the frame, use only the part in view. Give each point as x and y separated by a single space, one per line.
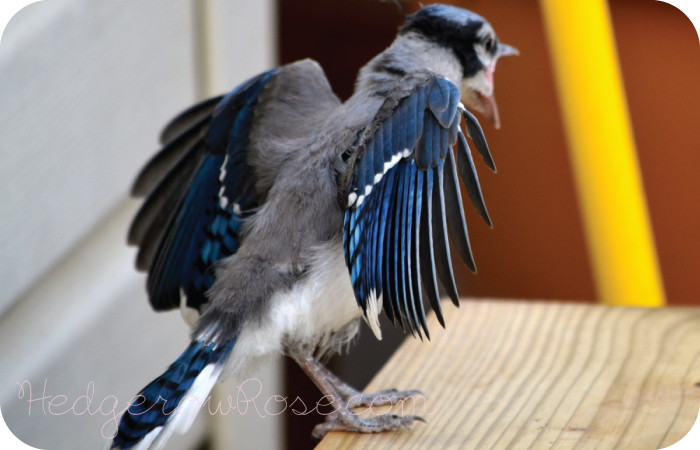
470 41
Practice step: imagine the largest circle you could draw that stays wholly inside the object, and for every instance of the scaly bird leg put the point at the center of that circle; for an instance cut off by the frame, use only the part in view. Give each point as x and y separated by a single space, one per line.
357 398
343 418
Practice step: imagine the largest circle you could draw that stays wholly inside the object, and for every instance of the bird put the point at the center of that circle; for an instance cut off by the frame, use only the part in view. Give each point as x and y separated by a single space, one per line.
276 217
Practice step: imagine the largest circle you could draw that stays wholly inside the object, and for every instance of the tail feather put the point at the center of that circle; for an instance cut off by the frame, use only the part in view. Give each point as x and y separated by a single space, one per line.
156 413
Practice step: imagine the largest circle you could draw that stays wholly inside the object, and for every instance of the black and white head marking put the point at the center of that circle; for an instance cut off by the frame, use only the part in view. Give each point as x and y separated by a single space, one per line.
467 34
474 46
450 27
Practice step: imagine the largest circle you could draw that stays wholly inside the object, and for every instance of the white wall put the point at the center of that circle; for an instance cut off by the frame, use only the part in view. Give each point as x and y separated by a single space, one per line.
85 87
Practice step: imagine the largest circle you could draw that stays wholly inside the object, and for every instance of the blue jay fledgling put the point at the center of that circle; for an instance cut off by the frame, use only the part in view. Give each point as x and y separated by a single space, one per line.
276 216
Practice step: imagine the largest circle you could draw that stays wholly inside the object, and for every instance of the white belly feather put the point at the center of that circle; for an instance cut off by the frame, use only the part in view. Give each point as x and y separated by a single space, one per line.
311 312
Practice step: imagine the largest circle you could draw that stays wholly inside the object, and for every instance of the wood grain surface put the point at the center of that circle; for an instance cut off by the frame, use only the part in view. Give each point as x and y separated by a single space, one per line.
516 375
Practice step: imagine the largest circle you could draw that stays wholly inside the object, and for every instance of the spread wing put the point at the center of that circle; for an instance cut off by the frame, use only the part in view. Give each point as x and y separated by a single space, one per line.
404 200
213 171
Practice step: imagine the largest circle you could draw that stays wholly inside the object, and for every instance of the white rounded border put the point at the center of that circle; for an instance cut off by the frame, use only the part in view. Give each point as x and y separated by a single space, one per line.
8 8
9 441
690 441
691 8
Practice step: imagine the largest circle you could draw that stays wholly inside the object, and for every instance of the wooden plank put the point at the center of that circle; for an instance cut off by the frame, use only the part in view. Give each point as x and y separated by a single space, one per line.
516 375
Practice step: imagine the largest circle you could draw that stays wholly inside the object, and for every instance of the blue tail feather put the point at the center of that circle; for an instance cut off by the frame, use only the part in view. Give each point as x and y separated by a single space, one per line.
159 400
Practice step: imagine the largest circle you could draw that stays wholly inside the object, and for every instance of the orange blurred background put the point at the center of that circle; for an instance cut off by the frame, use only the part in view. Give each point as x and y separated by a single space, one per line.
537 249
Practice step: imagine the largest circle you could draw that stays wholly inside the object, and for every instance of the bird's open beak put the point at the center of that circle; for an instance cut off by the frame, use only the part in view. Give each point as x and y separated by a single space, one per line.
486 104
488 108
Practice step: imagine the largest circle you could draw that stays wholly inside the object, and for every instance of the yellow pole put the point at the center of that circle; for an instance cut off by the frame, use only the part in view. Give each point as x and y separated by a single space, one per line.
602 148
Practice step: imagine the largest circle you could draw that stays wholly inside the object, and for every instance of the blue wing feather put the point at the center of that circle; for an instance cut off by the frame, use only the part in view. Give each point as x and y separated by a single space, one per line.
388 288
443 261
398 132
384 220
467 172
439 95
205 227
423 151
396 237
411 124
415 250
443 145
477 134
455 216
229 109
369 164
414 297
400 241
427 251
164 281
396 246
378 167
406 245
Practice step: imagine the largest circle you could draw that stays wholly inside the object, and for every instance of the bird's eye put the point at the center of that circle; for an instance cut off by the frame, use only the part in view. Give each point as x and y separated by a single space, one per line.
488 45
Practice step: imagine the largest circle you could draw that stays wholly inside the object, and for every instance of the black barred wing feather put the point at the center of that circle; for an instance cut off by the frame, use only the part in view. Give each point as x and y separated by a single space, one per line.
404 200
197 192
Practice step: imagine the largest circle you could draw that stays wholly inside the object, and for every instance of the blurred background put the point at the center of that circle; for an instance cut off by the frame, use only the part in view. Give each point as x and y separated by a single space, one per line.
86 86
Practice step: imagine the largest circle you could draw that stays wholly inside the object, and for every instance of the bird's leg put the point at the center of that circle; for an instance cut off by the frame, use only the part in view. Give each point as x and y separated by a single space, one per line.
356 398
343 418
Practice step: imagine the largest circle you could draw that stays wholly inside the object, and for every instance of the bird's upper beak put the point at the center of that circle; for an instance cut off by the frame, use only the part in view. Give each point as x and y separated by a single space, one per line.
506 50
485 104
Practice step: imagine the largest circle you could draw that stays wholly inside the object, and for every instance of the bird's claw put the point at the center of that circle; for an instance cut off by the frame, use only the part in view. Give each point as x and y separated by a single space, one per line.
381 398
385 422
345 398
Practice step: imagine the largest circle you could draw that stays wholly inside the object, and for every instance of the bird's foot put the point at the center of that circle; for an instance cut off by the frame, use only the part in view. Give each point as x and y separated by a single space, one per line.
355 398
344 398
351 422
